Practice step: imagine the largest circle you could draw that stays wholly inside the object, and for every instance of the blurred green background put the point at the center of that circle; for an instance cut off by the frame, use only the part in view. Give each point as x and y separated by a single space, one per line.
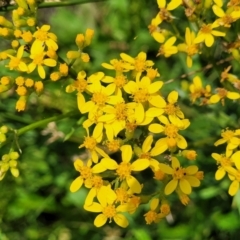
38 204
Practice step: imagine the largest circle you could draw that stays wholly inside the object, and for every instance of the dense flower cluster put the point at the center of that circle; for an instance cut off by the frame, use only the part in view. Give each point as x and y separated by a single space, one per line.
132 125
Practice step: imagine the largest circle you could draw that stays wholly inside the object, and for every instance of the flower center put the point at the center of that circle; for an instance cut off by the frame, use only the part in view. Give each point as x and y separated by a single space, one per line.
222 92
171 131
227 135
206 29
179 173
121 112
141 96
150 217
159 175
122 195
90 143
110 211
118 65
99 98
124 170
41 35
191 50
85 171
171 109
164 14
145 155
120 81
38 59
80 85
97 182
139 65
225 161
113 145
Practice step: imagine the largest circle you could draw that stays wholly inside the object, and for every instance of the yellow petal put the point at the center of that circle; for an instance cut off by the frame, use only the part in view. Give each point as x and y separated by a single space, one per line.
170 187
139 113
147 144
109 163
234 187
155 128
100 220
121 220
165 168
126 153
91 195
76 184
220 173
140 164
157 101
172 97
134 185
94 207
185 186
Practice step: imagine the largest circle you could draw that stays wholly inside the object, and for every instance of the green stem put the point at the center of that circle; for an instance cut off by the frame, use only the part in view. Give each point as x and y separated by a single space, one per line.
54 4
44 122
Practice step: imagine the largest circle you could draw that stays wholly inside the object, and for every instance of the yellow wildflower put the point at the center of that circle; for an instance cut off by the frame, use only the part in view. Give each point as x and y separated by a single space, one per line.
90 143
167 49
124 169
206 34
173 139
182 177
107 208
222 93
189 47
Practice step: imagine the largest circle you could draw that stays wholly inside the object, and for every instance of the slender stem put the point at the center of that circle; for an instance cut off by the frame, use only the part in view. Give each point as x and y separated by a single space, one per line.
44 122
54 4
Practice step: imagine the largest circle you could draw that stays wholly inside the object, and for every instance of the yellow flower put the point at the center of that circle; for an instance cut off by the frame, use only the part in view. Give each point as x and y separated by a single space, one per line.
86 173
38 61
139 64
167 49
42 37
115 117
197 90
107 208
164 14
231 138
16 63
153 215
100 95
171 109
90 143
153 27
222 93
124 169
189 47
172 139
118 65
224 163
206 34
182 177
144 91
147 153
225 19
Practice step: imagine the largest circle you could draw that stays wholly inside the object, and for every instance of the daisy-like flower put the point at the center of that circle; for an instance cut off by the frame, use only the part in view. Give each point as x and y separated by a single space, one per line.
125 168
225 19
224 163
100 96
144 91
167 49
38 61
153 215
222 93
115 117
173 139
190 48
90 143
16 63
119 66
147 153
139 64
42 37
198 91
86 173
206 34
164 14
182 177
107 208
171 109
232 138
118 82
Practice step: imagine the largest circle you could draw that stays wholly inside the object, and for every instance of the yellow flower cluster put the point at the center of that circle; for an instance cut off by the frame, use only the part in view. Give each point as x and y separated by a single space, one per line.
132 125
